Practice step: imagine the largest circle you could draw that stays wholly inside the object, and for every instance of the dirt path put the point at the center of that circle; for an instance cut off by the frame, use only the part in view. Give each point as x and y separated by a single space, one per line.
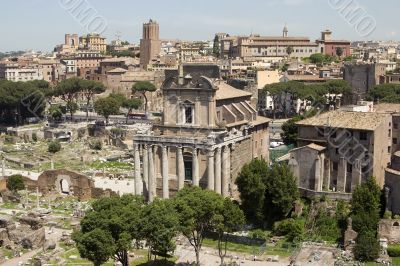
21 260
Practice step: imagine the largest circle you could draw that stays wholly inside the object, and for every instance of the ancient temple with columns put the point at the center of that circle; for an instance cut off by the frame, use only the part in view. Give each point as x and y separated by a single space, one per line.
209 130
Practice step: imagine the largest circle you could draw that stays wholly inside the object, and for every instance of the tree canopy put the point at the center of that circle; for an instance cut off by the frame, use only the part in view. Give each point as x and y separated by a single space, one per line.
216 46
158 226
267 193
89 88
15 183
321 95
365 208
198 211
107 106
389 93
109 229
22 100
143 87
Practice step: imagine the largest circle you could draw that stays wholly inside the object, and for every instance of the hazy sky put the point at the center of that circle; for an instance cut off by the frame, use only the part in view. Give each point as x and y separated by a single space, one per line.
41 24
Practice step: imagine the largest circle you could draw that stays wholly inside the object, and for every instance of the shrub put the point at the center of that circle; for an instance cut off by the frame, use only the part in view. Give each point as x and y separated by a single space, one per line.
54 146
96 144
34 137
258 233
394 251
367 247
15 183
9 139
387 215
291 228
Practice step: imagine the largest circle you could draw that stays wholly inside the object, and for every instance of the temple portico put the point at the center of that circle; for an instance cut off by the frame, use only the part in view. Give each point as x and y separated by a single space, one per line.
196 162
207 132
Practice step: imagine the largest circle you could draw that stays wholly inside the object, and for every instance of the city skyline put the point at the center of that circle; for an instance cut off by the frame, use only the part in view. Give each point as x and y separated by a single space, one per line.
302 17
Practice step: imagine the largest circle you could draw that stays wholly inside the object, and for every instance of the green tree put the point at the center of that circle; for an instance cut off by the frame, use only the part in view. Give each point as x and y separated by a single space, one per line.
15 183
198 211
97 245
22 100
389 93
280 193
131 104
317 58
106 107
119 218
339 51
252 190
216 46
143 87
292 229
367 247
68 91
54 146
289 128
56 112
158 226
230 219
119 97
89 89
365 206
267 193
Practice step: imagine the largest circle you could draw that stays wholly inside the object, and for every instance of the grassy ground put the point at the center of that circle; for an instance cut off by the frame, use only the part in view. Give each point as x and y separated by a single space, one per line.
143 260
395 262
99 165
279 249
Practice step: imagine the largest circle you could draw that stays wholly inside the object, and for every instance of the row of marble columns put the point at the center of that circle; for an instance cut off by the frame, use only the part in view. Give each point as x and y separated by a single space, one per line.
218 170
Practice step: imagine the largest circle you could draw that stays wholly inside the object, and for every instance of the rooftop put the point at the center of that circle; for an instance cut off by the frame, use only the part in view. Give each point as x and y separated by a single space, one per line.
387 108
226 91
344 119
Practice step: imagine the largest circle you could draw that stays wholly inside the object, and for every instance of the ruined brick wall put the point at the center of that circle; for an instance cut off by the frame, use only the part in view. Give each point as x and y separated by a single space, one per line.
80 185
389 229
392 182
241 155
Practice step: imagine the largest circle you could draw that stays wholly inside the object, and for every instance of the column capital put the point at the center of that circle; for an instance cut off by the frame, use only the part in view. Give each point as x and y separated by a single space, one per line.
210 152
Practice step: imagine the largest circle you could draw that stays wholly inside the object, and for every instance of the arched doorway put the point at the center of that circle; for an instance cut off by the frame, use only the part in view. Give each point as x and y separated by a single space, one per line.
64 186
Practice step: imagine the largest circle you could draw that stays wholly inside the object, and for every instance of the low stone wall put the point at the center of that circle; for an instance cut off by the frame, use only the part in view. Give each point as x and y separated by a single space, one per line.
239 239
331 195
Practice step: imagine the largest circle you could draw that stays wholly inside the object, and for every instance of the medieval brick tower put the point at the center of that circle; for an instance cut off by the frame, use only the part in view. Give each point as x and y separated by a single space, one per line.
150 44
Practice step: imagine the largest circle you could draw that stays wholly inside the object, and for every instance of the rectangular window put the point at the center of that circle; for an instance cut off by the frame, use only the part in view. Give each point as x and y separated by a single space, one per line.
188 115
394 140
389 149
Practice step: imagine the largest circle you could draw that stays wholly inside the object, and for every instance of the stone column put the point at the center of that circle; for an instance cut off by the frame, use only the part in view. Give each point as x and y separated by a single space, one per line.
164 172
226 170
180 168
138 178
317 174
327 174
151 174
356 175
146 167
218 171
210 169
341 176
195 166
